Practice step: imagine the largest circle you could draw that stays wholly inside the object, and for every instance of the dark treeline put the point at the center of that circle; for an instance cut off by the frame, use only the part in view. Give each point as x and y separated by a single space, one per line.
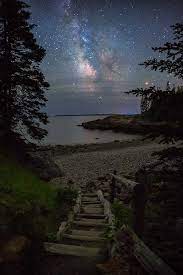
162 108
165 104
22 84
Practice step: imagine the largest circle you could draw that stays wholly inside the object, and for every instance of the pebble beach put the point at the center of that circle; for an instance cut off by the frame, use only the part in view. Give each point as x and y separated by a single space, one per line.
82 167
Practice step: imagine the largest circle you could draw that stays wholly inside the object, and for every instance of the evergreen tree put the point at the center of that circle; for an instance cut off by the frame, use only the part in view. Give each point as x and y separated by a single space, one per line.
173 63
166 105
22 84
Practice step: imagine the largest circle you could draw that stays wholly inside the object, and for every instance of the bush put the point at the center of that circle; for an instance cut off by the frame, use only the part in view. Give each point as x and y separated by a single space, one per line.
66 195
28 205
122 214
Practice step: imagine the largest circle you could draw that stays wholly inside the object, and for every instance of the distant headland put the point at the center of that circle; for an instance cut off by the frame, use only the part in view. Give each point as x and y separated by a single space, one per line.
103 114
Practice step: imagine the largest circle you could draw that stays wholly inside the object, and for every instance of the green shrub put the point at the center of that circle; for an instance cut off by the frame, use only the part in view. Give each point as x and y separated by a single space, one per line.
122 214
28 205
66 195
52 237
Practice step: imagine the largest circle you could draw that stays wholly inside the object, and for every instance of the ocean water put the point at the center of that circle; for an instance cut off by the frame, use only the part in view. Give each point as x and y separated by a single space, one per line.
64 130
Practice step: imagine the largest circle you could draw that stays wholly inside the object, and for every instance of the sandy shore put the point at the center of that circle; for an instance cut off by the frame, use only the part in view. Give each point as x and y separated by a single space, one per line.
86 166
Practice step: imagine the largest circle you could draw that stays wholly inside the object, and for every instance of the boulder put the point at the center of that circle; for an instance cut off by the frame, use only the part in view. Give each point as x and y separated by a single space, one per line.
43 165
20 255
12 250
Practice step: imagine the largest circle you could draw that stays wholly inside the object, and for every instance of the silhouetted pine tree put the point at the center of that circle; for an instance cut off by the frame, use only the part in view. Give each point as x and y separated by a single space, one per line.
173 63
166 105
22 84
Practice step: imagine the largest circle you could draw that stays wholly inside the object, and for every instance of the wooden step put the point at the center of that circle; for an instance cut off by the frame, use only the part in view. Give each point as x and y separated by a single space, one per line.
83 238
72 250
91 216
92 220
89 223
90 198
90 195
92 210
99 206
91 233
91 203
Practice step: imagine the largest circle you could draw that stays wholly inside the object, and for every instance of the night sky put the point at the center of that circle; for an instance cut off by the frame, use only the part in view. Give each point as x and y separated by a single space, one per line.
94 48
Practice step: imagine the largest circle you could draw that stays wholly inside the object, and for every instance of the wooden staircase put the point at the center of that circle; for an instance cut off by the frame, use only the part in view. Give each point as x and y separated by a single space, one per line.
85 237
82 243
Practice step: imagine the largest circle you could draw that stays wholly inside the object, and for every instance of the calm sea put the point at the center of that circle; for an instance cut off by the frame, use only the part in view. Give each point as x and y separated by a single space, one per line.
65 130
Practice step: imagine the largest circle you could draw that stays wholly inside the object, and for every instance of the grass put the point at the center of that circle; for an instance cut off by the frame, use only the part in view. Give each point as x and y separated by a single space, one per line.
27 204
25 186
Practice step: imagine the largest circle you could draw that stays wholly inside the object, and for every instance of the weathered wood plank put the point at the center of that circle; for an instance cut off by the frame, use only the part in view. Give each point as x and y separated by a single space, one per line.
84 238
71 250
151 263
92 232
78 203
123 182
85 222
66 224
109 215
107 206
62 229
139 194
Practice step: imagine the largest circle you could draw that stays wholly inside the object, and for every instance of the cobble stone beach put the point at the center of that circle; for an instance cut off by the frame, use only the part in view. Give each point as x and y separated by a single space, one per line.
82 167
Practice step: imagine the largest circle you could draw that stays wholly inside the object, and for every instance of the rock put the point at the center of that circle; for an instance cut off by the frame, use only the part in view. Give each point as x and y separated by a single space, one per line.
157 171
5 228
14 249
20 255
43 165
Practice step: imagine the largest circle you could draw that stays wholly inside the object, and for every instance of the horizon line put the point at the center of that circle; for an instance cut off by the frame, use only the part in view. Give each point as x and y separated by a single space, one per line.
108 114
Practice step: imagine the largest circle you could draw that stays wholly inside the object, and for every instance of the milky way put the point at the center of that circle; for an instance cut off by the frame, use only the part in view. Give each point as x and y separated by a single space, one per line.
97 45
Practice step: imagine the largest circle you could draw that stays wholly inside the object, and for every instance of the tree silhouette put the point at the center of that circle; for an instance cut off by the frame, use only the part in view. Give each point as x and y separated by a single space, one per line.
173 62
165 105
22 84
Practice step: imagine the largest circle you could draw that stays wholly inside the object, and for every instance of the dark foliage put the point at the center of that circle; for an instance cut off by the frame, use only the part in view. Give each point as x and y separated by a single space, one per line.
173 63
163 109
165 106
22 84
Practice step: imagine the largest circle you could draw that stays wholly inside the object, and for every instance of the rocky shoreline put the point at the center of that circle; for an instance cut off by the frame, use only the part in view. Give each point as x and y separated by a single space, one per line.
130 124
59 150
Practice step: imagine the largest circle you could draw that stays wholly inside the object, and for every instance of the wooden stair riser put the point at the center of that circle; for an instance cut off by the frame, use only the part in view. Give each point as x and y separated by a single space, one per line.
91 203
86 242
92 211
89 223
91 216
91 233
72 250
84 238
94 221
90 195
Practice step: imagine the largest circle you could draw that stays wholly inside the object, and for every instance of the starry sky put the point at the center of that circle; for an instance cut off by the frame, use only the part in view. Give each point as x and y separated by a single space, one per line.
94 48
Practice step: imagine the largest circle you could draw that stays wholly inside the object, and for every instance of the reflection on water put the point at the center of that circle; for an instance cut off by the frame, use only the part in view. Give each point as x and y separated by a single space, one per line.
65 130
